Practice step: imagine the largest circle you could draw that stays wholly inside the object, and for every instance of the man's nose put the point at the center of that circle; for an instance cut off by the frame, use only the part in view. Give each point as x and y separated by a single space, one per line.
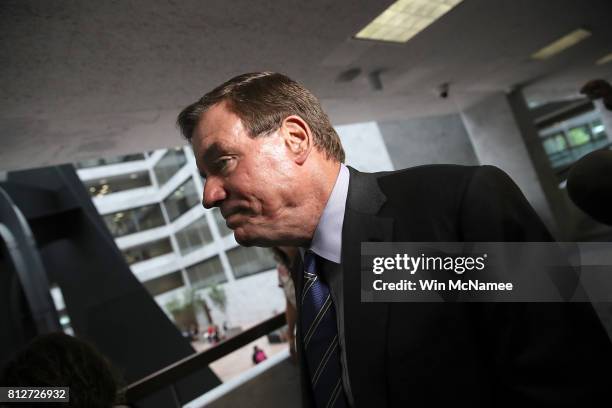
214 193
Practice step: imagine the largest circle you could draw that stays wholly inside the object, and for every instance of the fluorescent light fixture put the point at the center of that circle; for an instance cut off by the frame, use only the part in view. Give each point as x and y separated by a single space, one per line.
561 44
604 60
404 19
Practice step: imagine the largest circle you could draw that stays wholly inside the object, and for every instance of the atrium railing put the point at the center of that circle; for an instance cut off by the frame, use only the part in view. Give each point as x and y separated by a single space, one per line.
168 376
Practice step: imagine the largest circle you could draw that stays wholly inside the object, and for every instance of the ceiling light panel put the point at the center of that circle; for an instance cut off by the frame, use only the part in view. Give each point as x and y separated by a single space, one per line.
404 19
561 44
604 60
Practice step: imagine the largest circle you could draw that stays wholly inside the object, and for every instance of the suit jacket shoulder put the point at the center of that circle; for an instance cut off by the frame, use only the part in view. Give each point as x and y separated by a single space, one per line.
448 203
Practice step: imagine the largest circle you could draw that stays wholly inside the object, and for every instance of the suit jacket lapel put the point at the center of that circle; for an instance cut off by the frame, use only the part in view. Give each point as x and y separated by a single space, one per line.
365 323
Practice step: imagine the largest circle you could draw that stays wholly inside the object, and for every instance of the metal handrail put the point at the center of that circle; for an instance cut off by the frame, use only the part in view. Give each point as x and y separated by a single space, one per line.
167 376
17 236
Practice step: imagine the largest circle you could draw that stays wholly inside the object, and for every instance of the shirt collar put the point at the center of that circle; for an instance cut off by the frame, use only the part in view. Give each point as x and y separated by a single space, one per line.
327 239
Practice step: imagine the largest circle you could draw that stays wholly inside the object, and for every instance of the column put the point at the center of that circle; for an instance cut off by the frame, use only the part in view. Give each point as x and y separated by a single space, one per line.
503 135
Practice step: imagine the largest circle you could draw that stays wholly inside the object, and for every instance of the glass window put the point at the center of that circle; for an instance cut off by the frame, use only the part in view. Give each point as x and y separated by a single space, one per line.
164 283
147 251
568 139
114 184
181 200
194 236
113 160
171 162
578 136
249 260
134 220
555 144
223 230
206 273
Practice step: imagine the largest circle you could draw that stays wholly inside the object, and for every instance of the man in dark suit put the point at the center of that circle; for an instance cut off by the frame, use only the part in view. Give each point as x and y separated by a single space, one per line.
273 165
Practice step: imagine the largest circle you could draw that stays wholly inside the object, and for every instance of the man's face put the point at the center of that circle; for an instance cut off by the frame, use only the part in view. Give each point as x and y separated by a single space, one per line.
249 179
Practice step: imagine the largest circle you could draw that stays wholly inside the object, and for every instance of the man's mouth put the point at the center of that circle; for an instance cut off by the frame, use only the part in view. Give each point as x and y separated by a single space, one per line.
233 219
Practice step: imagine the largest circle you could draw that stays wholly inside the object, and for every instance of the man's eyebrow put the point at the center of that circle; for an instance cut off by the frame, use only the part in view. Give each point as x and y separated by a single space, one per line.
211 153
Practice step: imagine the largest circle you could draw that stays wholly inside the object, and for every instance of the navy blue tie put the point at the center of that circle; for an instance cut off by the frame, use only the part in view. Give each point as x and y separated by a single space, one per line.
320 338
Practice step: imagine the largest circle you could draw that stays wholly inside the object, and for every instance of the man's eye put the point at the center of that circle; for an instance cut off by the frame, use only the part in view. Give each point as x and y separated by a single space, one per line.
224 163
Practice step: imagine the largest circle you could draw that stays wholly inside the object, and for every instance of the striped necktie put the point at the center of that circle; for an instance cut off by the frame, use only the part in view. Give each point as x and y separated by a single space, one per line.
320 338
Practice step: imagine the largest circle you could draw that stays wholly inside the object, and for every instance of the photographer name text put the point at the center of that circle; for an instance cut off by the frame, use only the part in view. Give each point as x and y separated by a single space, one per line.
414 264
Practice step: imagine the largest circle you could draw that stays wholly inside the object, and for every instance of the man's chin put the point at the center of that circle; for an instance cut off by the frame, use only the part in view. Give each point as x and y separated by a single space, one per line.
242 240
242 237
247 239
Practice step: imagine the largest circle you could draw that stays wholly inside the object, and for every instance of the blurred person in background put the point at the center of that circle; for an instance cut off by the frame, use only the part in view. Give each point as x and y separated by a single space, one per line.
258 355
598 89
286 258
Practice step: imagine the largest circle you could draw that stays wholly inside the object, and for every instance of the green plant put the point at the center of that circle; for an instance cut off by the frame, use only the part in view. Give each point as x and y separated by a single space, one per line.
182 308
217 294
174 305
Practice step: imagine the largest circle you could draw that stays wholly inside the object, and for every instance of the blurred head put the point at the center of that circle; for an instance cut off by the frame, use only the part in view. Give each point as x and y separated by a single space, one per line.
268 153
590 187
58 360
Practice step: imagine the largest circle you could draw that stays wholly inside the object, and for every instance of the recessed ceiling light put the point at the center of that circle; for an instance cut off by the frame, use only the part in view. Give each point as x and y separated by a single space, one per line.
404 19
604 60
561 44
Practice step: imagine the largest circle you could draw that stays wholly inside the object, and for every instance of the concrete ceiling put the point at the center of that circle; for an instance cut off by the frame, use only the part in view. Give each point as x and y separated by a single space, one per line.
86 79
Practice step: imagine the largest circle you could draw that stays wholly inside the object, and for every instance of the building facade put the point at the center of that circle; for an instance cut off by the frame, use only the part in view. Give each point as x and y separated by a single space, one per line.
151 204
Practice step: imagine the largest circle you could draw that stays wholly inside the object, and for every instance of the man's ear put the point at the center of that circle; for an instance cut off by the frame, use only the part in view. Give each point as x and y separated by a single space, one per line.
298 137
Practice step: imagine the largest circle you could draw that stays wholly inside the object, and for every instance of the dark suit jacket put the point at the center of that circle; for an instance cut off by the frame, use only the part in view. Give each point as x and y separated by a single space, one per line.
481 354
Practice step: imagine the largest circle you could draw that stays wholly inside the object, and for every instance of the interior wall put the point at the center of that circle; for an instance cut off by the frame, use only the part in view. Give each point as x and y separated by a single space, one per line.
430 140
